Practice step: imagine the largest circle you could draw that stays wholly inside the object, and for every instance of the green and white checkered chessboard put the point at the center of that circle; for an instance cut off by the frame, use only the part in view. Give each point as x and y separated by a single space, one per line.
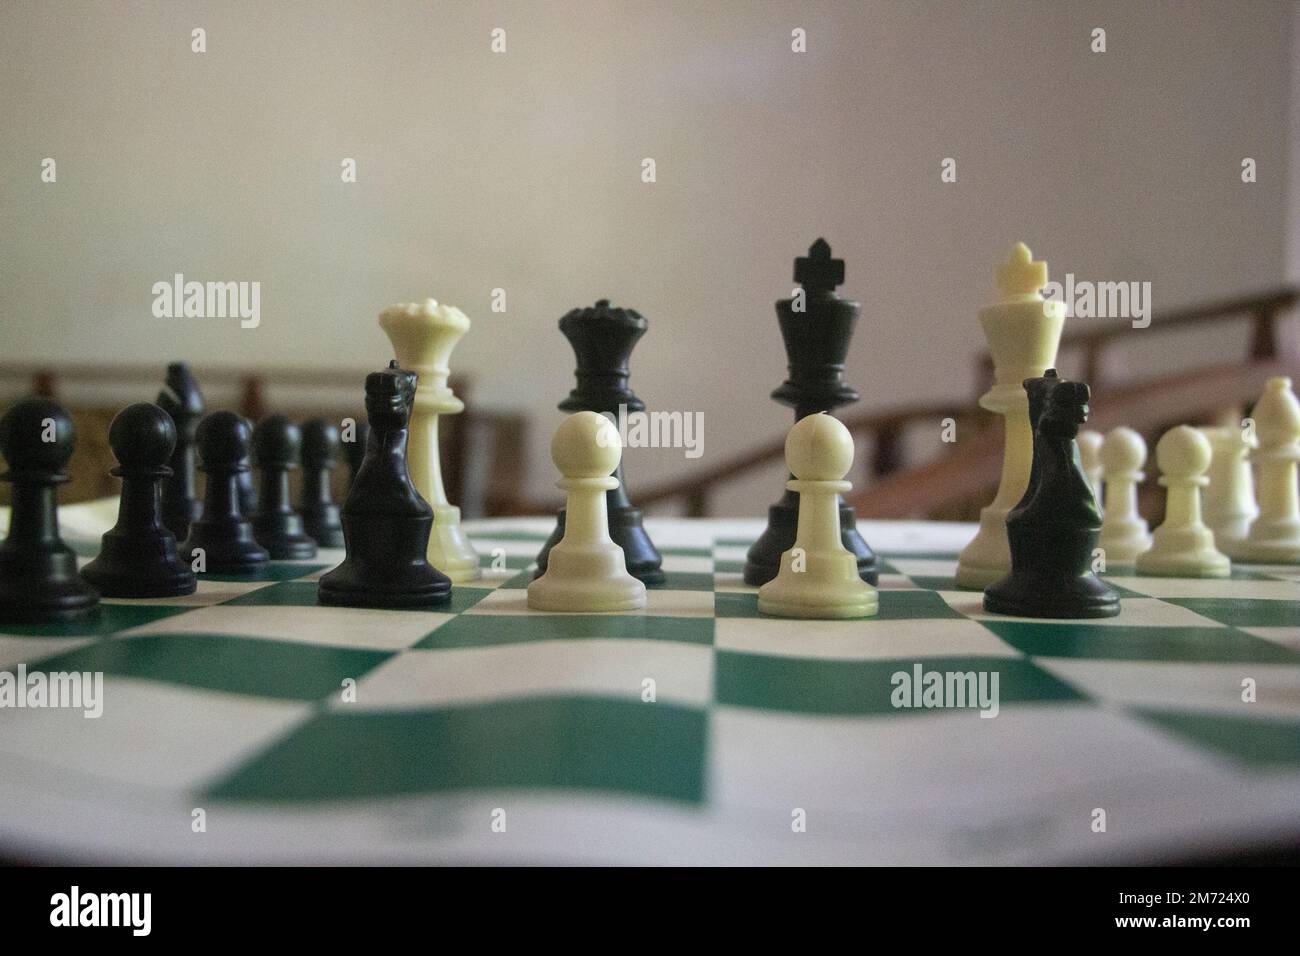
491 733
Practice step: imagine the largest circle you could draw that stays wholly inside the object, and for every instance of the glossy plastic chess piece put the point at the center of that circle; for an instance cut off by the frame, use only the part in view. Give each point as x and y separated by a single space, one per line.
223 534
587 572
818 577
423 336
183 402
138 556
816 328
1183 547
1053 537
320 455
1274 536
1228 502
386 524
603 337
276 526
1023 331
39 583
1124 532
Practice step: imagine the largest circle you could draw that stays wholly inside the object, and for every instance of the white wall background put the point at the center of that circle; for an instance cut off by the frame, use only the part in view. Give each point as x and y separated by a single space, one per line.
522 171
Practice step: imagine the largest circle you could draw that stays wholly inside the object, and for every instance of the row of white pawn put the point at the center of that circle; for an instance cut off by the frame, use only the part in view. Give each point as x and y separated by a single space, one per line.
1196 541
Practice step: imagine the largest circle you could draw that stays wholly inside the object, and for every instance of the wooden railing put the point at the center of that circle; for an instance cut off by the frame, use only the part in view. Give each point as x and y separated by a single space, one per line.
971 467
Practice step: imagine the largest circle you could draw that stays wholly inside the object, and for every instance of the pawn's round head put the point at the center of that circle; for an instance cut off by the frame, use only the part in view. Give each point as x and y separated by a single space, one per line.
37 435
142 436
819 448
222 438
586 445
1183 452
1123 450
276 441
320 441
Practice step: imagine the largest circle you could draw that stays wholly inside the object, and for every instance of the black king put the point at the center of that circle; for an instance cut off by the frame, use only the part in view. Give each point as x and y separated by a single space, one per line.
816 327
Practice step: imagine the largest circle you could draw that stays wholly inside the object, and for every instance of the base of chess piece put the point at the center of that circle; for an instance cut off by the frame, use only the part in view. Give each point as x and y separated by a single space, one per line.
828 588
126 569
763 561
369 578
1049 587
47 590
642 558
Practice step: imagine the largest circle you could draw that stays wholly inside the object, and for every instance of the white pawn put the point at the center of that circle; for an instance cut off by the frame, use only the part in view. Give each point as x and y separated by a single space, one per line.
1183 547
586 572
1229 500
818 576
1274 536
1089 443
1124 532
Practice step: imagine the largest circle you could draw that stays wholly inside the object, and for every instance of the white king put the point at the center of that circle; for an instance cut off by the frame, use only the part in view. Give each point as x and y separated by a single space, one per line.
423 335
1023 332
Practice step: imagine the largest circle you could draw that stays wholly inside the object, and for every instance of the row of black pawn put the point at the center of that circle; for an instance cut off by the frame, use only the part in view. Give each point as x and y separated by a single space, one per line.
140 556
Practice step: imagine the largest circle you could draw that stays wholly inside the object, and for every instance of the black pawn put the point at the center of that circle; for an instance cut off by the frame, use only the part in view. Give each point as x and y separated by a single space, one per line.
816 330
354 449
276 526
386 523
223 533
320 454
183 401
138 557
603 338
39 583
1054 533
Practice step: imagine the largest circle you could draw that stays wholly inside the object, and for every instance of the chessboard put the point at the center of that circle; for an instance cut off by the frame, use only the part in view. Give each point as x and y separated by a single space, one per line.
247 723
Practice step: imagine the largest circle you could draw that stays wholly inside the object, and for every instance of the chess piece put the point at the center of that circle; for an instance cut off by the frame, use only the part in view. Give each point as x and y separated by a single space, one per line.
603 337
39 583
1228 503
248 502
276 526
138 557
816 326
1183 547
386 524
1089 443
183 401
1274 536
320 454
354 441
587 571
223 536
1124 532
1023 332
819 577
423 335
1053 537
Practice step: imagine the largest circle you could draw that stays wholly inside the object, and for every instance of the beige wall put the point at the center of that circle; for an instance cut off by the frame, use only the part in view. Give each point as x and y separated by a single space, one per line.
521 171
